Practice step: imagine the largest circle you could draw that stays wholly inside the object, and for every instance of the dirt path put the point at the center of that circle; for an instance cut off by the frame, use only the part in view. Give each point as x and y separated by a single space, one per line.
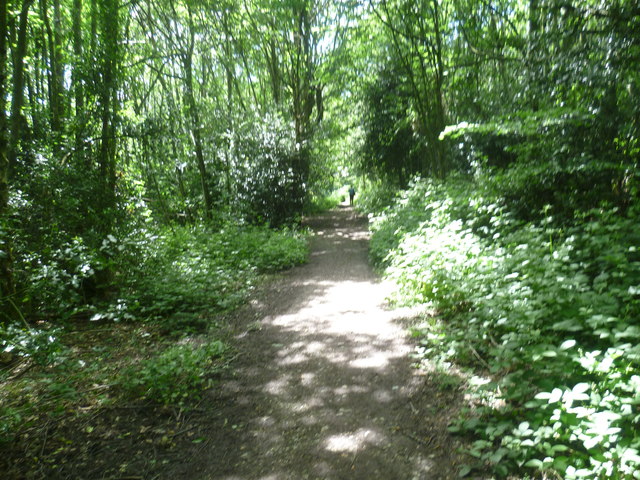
324 387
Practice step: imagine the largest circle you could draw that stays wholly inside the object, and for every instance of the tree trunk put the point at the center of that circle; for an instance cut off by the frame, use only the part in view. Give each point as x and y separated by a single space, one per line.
17 94
194 116
168 93
110 35
77 78
439 117
274 71
58 73
533 42
93 15
53 81
230 127
303 93
7 287
36 126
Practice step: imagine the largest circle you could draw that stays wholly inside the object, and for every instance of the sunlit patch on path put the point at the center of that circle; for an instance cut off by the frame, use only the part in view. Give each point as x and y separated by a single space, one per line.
325 386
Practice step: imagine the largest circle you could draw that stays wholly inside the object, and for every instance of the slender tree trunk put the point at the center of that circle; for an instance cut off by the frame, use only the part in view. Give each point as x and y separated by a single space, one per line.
7 287
230 127
36 127
196 136
108 102
58 73
532 47
439 117
181 189
274 71
94 14
169 95
17 94
149 153
194 116
53 81
303 93
77 78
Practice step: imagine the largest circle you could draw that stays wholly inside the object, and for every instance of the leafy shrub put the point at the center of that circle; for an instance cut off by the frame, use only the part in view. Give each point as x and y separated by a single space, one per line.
550 161
73 277
270 186
322 203
390 148
159 271
181 323
271 250
42 346
175 376
57 279
10 418
194 269
375 197
546 312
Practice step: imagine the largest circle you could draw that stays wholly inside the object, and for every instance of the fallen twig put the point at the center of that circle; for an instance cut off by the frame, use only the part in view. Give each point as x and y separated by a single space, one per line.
45 437
184 430
477 355
416 439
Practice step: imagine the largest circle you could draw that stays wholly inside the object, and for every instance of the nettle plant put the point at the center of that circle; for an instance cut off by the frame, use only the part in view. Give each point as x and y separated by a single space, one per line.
546 315
197 268
176 376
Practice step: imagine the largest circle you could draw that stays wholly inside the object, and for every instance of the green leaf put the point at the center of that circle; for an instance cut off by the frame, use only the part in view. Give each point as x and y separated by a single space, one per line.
552 397
498 455
590 442
630 455
570 325
543 396
560 463
464 470
580 387
534 463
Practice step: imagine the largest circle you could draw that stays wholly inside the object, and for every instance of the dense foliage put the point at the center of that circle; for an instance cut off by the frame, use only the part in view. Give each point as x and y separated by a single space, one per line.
556 78
109 130
526 245
545 314
187 275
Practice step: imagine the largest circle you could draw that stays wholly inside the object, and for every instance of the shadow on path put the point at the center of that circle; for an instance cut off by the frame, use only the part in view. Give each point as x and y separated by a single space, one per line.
324 387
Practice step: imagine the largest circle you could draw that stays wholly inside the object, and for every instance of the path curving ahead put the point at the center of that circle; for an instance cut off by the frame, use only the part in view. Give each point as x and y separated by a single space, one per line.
324 387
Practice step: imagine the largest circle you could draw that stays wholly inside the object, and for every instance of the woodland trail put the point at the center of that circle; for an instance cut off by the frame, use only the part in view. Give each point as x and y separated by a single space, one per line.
324 387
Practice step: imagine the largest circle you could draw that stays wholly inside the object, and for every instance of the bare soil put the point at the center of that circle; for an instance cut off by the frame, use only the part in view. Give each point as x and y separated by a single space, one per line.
323 387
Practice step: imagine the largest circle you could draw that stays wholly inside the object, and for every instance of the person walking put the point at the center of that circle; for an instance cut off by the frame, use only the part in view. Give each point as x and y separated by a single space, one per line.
352 193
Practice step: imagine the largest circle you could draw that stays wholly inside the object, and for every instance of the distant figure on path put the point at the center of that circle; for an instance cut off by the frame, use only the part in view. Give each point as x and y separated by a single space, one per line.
352 193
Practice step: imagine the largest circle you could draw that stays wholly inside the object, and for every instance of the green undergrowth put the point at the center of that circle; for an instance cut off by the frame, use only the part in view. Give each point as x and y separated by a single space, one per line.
175 376
189 269
542 313
157 337
324 203
330 201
